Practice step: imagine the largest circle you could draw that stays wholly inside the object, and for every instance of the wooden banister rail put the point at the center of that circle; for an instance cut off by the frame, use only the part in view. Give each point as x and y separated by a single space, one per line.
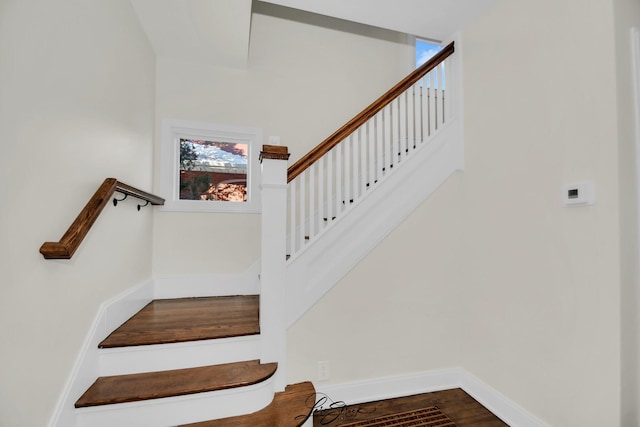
321 149
70 241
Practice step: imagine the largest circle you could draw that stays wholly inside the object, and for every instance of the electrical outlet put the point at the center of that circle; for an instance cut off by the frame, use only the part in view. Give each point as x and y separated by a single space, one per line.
323 370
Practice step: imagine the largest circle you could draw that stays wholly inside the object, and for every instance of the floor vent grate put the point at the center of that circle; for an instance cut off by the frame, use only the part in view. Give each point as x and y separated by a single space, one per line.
425 417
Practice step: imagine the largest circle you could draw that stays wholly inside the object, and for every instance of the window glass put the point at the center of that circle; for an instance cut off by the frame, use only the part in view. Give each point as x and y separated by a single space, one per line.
210 167
425 51
212 170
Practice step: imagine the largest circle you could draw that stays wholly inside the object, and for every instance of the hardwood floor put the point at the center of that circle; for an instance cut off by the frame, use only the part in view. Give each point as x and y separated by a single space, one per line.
188 319
456 404
154 385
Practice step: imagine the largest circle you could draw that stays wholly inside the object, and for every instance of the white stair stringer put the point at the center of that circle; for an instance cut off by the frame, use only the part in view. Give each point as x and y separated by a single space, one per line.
315 270
172 411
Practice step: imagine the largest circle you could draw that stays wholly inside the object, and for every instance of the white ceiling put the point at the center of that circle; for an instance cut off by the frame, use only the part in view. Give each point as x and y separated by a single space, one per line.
208 31
217 31
433 19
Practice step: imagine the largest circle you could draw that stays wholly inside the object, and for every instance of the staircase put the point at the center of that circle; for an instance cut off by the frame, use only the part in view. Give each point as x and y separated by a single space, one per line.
167 390
209 351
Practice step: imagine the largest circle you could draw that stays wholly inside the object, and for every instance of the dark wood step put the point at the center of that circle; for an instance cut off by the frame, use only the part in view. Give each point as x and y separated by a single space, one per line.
178 382
289 408
188 319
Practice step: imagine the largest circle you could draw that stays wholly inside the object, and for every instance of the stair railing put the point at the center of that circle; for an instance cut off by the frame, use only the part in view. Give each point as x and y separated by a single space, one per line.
75 234
340 171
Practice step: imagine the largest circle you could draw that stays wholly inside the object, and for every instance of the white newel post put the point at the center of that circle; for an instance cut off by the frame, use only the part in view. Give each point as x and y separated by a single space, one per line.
273 331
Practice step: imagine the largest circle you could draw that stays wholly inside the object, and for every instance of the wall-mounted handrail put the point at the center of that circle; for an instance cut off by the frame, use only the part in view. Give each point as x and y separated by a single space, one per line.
325 146
70 241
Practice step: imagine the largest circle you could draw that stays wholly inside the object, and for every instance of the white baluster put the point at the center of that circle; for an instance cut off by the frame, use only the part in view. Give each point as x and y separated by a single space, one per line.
432 104
436 99
348 171
339 182
403 124
303 206
313 170
379 143
371 155
416 113
387 139
395 132
356 179
362 162
329 188
410 121
424 107
321 202
293 217
441 74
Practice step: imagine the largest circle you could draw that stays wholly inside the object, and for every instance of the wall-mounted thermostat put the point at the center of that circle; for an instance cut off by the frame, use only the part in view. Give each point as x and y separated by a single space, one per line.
579 194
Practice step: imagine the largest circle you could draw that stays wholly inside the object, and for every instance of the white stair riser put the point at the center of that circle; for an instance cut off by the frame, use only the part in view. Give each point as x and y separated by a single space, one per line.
150 358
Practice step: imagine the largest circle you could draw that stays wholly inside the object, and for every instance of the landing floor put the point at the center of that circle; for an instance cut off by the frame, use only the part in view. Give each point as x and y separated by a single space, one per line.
189 319
456 404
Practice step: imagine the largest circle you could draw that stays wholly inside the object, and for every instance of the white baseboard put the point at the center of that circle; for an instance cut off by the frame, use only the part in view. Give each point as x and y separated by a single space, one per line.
245 283
500 405
425 382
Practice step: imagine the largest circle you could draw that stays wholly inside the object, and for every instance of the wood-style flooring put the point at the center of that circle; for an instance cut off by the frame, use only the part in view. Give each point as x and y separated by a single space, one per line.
178 382
456 404
167 321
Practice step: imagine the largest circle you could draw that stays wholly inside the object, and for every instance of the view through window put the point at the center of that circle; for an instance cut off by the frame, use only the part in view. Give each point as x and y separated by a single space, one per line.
212 170
425 50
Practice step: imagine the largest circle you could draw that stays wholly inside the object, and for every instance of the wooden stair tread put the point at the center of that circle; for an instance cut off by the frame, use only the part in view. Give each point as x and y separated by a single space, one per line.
154 385
167 321
290 408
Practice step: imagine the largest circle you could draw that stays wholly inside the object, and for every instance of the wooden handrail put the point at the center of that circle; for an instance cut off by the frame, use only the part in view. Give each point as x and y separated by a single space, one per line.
77 231
321 149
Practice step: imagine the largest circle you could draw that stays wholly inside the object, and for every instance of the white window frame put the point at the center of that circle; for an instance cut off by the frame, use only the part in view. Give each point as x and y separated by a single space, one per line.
173 130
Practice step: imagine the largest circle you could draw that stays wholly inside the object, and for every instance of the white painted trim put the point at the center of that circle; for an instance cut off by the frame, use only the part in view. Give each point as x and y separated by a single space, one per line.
425 382
173 130
329 255
390 387
411 53
499 404
245 283
273 249
317 268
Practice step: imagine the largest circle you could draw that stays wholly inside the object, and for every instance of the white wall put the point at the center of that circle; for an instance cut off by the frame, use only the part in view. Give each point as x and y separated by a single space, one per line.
492 273
77 85
627 15
307 75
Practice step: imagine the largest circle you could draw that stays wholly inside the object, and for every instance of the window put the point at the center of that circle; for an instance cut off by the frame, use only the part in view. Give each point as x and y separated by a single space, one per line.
210 167
425 50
